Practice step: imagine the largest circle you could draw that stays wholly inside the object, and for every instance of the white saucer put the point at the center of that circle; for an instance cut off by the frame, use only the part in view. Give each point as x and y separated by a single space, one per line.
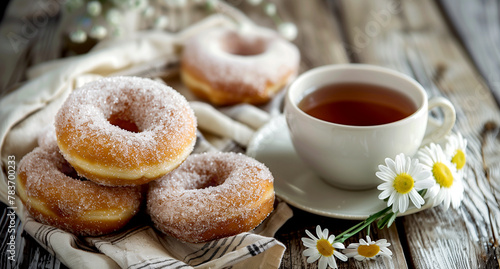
299 186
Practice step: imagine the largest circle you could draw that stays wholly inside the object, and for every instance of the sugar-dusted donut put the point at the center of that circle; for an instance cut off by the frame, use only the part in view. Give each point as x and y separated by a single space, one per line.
54 195
125 130
210 196
227 66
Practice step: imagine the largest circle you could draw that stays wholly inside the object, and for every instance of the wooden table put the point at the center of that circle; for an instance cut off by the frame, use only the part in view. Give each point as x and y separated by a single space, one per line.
449 46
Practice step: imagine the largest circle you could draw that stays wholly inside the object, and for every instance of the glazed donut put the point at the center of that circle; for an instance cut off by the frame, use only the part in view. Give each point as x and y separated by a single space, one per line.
124 131
54 195
210 196
227 66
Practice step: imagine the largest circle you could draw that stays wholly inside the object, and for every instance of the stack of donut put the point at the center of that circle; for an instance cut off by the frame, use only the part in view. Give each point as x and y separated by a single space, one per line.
113 135
116 135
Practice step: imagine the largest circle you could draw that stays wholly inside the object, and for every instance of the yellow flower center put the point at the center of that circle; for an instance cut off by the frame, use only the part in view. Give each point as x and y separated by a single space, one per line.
368 251
325 248
459 159
442 174
403 183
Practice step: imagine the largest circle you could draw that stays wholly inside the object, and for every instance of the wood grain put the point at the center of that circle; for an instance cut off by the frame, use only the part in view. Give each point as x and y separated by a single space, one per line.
478 29
416 40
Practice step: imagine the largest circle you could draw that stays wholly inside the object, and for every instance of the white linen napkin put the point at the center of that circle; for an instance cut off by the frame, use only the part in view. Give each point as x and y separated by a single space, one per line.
27 111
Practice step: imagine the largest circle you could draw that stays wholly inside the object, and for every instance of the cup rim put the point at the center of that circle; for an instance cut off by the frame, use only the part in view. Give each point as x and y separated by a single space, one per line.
363 67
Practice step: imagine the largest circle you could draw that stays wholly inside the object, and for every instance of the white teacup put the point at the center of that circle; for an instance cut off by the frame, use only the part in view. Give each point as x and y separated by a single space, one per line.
348 156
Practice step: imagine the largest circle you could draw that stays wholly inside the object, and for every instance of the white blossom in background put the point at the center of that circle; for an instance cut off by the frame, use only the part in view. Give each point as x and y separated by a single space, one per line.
176 3
98 32
270 9
113 16
78 36
288 30
254 2
161 22
149 12
94 8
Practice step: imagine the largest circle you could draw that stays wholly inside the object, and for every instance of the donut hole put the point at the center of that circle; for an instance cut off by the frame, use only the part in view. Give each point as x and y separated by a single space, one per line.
235 44
122 121
210 181
210 178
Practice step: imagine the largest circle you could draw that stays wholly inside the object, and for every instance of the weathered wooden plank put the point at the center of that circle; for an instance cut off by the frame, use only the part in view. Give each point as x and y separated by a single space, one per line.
411 36
476 23
24 42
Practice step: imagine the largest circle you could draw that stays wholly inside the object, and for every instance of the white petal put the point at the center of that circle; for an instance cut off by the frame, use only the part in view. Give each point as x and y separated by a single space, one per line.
399 165
325 233
309 241
362 242
322 263
331 262
353 246
391 165
455 202
386 250
331 238
312 236
409 165
446 202
338 245
314 257
384 176
439 198
403 203
386 185
424 184
319 233
368 239
340 256
359 257
350 252
432 192
387 170
416 199
392 198
384 194
423 174
310 252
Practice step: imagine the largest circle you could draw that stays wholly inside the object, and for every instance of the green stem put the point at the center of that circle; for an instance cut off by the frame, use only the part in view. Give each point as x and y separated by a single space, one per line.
360 226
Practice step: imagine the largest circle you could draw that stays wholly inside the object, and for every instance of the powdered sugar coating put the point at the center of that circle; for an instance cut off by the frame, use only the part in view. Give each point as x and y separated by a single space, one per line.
165 135
211 195
76 205
241 62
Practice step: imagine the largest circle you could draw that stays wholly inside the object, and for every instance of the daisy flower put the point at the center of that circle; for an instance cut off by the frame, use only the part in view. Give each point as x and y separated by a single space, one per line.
323 248
448 188
403 178
368 249
455 150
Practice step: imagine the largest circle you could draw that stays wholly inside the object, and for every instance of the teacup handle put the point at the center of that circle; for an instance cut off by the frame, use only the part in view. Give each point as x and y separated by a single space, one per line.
448 121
